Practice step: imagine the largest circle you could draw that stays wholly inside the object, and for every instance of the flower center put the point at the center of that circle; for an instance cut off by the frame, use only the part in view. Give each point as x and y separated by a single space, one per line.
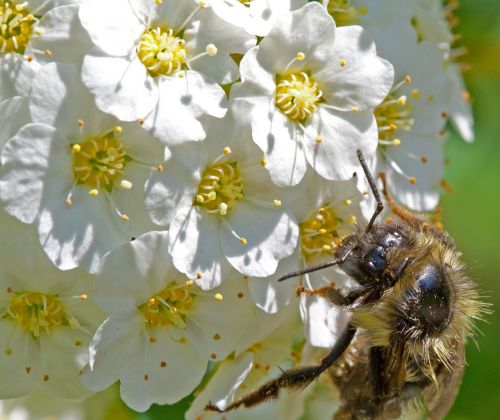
220 187
319 234
297 95
16 26
344 13
37 312
394 113
169 307
161 52
99 161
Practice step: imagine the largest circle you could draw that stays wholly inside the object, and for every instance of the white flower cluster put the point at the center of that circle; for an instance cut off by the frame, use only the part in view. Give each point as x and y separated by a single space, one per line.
170 159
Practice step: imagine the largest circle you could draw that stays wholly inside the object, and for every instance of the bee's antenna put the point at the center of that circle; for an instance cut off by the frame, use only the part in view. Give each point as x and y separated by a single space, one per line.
316 267
308 270
374 189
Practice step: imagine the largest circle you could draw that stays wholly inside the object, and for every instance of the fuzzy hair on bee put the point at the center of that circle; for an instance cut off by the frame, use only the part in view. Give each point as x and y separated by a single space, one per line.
411 314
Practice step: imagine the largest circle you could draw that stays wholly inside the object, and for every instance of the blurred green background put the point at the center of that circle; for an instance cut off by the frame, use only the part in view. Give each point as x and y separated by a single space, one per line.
471 212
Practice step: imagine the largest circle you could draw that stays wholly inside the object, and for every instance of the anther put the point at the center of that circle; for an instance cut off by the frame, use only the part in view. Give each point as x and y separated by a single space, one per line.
189 283
74 323
319 139
243 241
396 142
277 203
263 161
218 297
160 168
163 364
80 122
8 351
408 79
412 180
76 148
227 150
354 109
84 297
125 184
198 276
347 202
124 217
300 56
93 192
118 129
211 50
343 62
352 219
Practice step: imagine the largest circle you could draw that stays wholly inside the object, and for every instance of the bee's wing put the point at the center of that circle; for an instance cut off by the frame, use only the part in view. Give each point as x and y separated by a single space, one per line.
449 384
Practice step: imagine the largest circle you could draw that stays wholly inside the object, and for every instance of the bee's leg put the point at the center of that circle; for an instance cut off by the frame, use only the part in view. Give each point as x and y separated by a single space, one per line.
402 212
292 379
330 293
373 187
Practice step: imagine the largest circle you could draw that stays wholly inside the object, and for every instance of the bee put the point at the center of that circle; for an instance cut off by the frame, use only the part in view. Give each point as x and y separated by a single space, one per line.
411 313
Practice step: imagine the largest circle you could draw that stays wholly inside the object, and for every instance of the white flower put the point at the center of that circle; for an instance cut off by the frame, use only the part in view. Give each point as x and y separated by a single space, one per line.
433 22
43 30
313 88
411 121
371 14
161 61
255 16
47 318
163 329
274 345
222 207
80 175
327 213
16 75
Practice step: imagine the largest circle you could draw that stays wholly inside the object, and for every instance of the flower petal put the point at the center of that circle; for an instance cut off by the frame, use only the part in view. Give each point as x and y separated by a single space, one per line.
272 295
310 30
17 106
194 246
183 105
282 144
20 364
114 343
63 361
25 161
122 87
364 81
133 272
168 372
342 133
113 25
271 235
62 35
209 328
208 28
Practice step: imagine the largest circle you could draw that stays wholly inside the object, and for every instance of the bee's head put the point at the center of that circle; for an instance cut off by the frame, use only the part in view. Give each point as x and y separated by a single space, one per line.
432 303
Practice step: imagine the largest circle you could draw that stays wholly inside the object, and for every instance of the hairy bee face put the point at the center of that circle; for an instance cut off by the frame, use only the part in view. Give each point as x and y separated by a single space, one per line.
367 256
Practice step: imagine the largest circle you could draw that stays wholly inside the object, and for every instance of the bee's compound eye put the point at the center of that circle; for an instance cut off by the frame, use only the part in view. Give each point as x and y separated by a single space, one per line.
376 259
433 298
